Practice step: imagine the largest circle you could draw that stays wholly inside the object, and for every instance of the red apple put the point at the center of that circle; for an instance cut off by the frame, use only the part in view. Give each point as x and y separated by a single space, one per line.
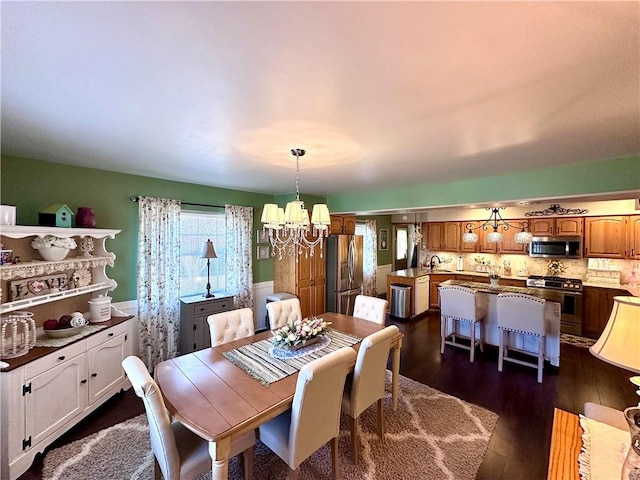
51 324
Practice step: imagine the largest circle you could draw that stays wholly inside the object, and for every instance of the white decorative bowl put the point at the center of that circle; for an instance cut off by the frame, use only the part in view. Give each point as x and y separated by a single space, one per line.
64 332
53 254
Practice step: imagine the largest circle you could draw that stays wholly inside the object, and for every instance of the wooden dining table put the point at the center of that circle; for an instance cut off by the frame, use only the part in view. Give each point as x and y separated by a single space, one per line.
219 401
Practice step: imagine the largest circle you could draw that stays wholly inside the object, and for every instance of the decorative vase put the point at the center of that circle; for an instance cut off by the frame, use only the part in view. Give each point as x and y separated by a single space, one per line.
631 466
85 217
53 254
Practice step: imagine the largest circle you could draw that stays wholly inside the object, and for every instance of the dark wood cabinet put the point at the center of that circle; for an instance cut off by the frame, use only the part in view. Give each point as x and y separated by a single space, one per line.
342 225
605 237
597 306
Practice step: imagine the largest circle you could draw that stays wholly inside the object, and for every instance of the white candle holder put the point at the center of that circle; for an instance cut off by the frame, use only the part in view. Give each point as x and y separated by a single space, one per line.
18 334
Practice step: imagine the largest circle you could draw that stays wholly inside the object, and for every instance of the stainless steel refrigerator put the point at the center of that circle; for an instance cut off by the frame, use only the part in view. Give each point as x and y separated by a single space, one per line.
344 272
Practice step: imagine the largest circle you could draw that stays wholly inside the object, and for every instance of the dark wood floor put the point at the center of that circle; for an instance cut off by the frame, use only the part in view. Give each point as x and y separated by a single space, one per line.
519 447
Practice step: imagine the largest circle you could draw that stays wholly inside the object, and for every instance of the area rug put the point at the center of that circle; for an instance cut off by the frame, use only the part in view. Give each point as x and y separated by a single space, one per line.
432 435
576 341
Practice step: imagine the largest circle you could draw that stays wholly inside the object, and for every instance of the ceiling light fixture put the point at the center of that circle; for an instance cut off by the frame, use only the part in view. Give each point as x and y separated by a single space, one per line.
556 209
289 229
496 221
415 235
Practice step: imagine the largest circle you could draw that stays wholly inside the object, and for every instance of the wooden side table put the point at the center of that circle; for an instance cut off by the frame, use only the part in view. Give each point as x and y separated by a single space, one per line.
566 441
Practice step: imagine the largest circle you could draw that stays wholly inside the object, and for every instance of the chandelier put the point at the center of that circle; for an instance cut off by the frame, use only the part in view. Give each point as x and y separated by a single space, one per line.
415 235
495 220
290 230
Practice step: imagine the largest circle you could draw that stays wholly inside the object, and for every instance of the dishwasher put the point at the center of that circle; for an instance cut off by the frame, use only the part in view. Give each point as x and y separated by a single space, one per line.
421 294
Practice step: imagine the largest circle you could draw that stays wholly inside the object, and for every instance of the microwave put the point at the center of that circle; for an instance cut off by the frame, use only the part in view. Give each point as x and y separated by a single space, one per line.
556 247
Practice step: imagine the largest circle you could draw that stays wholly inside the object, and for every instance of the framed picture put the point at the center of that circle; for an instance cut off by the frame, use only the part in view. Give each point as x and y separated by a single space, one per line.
262 236
383 239
262 252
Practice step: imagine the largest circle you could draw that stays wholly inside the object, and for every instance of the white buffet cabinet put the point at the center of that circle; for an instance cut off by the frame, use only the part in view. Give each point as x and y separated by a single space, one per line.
45 397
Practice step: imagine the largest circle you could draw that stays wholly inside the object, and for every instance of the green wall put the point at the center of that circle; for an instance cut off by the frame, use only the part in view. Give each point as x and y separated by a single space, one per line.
33 184
382 222
607 176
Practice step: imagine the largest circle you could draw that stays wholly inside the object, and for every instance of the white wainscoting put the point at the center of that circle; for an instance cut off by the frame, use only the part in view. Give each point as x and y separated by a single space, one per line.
260 292
381 278
130 307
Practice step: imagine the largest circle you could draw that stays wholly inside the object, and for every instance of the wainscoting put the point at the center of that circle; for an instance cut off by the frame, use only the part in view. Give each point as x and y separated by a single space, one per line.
381 278
260 292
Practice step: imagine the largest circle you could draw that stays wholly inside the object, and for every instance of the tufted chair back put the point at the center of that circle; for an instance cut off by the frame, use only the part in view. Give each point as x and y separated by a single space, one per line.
280 312
370 308
229 326
521 313
461 303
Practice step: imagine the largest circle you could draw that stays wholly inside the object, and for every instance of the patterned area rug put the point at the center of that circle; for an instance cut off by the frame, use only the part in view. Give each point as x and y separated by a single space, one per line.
431 436
576 341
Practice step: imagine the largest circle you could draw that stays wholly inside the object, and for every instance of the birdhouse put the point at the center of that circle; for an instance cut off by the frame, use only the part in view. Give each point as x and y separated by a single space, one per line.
56 215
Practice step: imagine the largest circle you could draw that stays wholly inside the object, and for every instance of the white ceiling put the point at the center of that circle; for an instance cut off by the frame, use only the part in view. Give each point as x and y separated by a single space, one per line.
380 94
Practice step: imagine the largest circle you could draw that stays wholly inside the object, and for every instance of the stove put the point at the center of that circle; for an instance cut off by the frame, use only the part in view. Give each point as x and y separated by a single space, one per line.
571 288
558 283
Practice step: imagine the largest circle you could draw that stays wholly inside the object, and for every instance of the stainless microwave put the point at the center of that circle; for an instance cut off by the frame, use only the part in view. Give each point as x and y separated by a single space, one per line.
556 247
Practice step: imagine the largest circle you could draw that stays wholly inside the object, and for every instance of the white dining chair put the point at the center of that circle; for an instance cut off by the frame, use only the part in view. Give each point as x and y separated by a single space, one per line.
283 311
179 453
461 304
370 308
314 417
228 326
366 385
520 313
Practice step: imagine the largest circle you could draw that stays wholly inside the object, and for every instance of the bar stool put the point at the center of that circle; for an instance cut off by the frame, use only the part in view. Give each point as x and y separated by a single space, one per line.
461 304
524 314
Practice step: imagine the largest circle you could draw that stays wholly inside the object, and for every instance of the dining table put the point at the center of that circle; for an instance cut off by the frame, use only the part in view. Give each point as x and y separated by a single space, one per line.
219 401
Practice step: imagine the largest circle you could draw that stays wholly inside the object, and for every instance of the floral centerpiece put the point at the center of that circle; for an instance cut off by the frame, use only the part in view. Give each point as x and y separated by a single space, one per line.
53 248
299 332
556 267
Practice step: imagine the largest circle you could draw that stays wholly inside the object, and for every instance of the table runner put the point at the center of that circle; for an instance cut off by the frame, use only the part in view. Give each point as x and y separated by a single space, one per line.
604 449
256 361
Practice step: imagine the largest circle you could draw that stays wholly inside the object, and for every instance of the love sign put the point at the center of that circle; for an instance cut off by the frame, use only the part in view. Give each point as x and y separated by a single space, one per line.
33 287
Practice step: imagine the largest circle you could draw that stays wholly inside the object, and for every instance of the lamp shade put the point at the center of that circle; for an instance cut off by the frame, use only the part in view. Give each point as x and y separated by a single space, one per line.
470 237
620 340
495 237
320 215
523 237
209 251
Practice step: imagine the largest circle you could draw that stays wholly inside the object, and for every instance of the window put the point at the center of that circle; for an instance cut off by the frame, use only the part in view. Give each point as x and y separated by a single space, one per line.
195 229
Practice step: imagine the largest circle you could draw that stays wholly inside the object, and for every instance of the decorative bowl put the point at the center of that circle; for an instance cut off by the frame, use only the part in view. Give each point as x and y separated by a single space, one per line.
64 332
53 254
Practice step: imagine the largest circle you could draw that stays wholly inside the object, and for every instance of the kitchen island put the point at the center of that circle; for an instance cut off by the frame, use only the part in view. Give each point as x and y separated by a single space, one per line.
418 280
520 341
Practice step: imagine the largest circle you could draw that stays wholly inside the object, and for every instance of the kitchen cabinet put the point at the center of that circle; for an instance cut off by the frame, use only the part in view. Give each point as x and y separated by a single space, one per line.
50 392
434 233
469 247
509 245
194 328
304 277
605 237
633 240
558 227
434 282
420 290
342 225
597 306
485 246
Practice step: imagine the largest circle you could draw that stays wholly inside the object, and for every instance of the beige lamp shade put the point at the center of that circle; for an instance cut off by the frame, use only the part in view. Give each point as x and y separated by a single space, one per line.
209 251
619 343
320 215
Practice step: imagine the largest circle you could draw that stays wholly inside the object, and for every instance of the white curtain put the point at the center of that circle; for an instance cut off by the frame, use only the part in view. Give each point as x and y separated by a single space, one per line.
370 258
158 279
239 269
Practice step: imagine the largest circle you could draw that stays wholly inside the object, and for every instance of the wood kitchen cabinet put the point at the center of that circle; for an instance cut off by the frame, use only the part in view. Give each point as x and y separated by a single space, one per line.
509 245
434 282
633 239
485 246
194 328
605 237
443 236
469 247
342 225
434 233
306 278
557 227
597 306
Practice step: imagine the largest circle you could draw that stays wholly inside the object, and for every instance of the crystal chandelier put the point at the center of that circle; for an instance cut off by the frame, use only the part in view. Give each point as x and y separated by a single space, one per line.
290 230
495 220
415 235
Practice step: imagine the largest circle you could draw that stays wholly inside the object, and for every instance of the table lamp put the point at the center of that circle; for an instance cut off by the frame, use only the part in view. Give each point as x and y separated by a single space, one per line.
619 345
209 253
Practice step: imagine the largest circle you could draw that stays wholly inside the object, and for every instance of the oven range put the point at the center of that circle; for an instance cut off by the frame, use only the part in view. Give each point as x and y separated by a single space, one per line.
571 288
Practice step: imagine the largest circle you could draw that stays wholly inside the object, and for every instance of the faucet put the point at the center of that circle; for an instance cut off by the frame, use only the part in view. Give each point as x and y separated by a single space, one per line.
432 262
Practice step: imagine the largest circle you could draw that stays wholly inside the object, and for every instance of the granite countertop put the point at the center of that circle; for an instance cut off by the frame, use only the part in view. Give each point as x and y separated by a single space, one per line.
412 272
547 294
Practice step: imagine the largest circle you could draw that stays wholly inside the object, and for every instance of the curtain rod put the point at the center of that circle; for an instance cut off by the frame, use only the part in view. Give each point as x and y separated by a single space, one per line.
136 199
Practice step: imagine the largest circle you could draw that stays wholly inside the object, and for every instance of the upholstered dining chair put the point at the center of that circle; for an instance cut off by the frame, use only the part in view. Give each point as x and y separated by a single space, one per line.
521 313
178 452
280 312
370 308
461 304
229 326
314 417
366 385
